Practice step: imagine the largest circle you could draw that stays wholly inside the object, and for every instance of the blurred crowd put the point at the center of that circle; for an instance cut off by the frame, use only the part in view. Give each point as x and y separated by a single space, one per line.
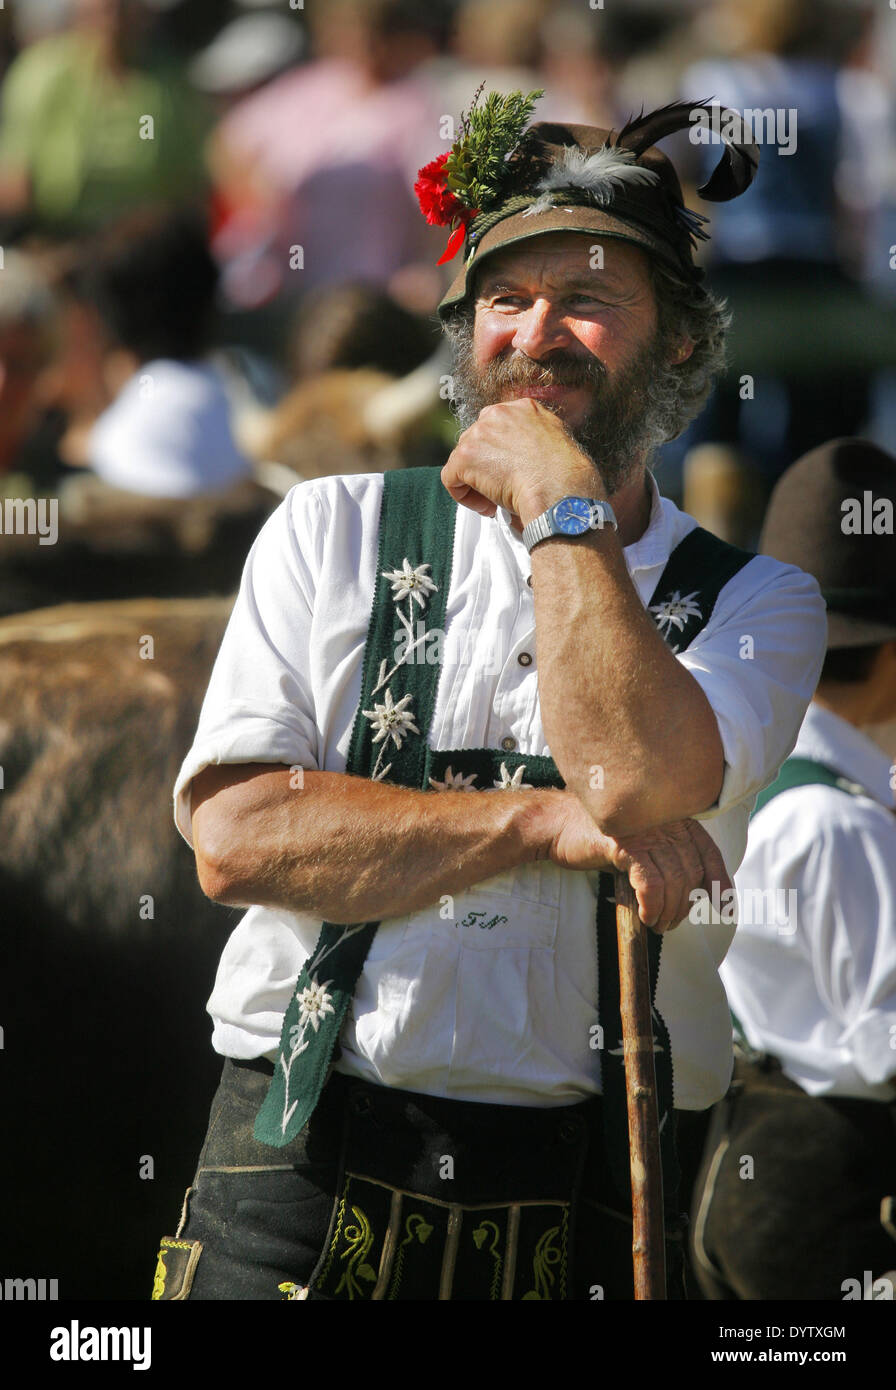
215 275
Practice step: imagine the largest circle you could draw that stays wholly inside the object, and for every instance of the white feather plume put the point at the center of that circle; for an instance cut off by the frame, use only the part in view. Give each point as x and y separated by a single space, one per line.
542 204
599 172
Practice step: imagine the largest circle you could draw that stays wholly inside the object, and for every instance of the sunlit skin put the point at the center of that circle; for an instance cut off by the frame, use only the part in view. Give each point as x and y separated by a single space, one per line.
543 296
536 298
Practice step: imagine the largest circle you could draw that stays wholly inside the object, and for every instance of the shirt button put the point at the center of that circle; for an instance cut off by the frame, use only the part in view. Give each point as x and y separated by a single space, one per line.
529 580
508 743
524 659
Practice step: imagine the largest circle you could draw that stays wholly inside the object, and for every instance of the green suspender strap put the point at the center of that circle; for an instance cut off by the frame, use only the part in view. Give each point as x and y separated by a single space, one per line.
398 691
806 772
390 741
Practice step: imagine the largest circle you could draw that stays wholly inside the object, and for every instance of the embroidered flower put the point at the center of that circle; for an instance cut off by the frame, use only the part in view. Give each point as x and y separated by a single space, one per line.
514 783
314 1002
675 611
391 720
411 581
454 781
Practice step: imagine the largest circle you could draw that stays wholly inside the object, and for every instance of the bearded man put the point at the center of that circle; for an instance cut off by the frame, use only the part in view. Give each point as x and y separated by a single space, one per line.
422 997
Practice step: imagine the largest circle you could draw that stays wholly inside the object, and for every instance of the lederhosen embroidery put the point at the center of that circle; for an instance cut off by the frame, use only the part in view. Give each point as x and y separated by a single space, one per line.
390 739
400 1232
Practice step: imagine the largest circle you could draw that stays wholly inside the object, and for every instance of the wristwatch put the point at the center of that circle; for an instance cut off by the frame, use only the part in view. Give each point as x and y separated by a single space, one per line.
571 516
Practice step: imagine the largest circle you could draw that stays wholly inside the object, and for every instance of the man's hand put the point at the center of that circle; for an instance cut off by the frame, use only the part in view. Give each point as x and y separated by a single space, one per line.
515 455
664 865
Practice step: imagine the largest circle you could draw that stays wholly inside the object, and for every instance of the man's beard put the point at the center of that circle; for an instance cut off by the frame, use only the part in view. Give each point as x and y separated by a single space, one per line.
623 422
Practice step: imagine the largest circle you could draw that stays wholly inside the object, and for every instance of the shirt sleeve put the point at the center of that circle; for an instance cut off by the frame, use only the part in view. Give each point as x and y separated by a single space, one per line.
758 661
850 914
259 705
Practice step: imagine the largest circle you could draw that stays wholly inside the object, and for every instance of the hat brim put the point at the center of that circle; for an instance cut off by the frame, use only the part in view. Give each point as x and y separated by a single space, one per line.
518 227
844 630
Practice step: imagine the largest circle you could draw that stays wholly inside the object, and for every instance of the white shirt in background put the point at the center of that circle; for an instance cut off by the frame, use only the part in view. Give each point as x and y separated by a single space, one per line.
168 433
818 990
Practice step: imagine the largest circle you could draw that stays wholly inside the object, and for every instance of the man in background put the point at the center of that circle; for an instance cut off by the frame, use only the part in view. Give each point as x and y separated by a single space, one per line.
811 975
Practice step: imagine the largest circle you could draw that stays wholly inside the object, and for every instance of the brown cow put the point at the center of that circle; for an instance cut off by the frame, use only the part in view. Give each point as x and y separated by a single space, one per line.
111 946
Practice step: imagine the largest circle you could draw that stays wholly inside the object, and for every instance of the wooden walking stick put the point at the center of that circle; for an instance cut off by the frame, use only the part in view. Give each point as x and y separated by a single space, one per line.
648 1248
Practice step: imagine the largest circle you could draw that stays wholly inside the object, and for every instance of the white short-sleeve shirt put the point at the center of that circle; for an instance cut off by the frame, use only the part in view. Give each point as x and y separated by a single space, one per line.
812 979
442 1009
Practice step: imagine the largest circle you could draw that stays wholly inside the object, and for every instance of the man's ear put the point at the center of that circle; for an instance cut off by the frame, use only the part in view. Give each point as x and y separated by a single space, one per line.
682 352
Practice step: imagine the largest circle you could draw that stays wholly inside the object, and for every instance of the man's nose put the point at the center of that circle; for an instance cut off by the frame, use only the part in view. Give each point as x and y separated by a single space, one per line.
541 329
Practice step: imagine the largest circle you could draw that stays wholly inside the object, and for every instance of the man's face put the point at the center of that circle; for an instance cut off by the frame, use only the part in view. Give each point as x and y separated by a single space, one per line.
580 339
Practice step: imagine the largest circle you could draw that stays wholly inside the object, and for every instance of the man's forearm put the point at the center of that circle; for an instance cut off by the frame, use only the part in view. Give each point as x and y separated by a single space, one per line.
347 849
631 732
628 726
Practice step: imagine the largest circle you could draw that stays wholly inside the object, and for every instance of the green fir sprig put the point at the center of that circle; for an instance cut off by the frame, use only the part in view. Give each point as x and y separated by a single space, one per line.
476 166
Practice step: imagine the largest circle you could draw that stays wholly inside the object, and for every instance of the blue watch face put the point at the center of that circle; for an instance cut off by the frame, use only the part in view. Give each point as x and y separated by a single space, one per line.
572 515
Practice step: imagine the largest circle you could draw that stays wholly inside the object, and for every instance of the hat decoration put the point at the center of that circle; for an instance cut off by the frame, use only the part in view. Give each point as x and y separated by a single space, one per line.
497 168
597 174
471 176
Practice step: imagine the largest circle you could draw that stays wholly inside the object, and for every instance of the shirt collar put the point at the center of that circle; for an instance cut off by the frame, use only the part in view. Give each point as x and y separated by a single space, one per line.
827 738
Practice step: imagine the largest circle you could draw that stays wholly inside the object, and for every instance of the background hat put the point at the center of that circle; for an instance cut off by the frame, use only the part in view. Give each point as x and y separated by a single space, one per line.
249 50
831 514
585 179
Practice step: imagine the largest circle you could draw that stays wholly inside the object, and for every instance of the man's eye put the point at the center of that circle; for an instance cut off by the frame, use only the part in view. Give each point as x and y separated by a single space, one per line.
587 303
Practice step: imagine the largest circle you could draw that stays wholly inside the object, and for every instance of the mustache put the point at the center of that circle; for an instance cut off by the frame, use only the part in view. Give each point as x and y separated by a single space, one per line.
557 369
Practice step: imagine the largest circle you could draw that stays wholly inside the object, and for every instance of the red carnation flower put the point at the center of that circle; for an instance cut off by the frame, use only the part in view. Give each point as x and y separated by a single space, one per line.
437 203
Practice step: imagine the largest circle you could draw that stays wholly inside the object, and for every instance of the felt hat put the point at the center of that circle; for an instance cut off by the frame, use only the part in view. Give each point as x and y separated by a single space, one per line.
500 184
832 514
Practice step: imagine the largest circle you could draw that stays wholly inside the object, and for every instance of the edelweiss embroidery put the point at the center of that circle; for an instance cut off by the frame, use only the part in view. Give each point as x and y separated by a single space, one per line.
675 611
314 1002
390 720
454 781
411 581
514 783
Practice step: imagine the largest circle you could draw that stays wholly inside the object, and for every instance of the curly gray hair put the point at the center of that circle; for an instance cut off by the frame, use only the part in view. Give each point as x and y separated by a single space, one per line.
694 312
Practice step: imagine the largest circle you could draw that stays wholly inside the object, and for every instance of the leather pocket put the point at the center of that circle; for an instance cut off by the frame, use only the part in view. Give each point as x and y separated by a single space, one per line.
175 1269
